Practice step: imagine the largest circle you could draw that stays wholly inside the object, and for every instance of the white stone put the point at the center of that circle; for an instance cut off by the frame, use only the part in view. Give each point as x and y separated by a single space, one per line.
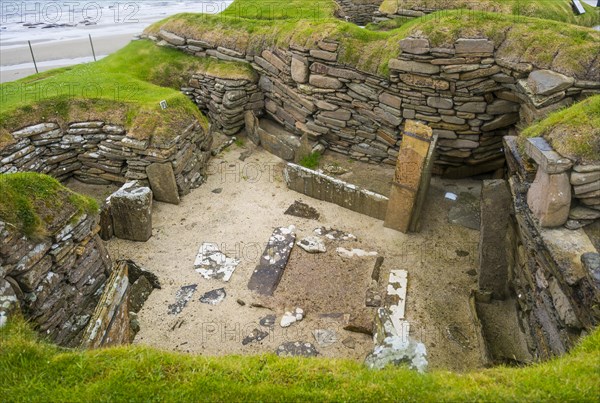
343 252
312 244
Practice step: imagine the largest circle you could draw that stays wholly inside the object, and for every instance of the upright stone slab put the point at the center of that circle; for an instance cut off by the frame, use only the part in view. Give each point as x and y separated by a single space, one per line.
549 198
409 169
496 205
131 209
267 274
162 182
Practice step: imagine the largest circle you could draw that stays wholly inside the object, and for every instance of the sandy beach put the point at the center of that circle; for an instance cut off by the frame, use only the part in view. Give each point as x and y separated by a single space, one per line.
17 63
61 39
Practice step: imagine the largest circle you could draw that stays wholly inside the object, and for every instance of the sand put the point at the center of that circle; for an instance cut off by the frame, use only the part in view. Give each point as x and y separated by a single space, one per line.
17 63
441 263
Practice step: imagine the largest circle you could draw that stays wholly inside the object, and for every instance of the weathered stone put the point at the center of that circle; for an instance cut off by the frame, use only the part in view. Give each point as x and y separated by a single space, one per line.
213 297
302 210
583 213
184 294
171 38
312 244
496 206
255 335
8 301
500 107
546 82
475 107
325 82
299 70
591 264
548 160
297 349
324 55
415 46
581 178
586 168
413 67
162 182
131 209
251 122
211 263
440 103
325 337
268 272
34 130
563 306
501 122
473 46
275 145
138 293
549 198
390 100
421 81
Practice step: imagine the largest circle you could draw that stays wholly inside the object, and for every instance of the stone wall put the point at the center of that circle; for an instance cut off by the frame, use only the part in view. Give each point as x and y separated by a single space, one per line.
553 274
56 281
470 97
102 153
360 12
225 100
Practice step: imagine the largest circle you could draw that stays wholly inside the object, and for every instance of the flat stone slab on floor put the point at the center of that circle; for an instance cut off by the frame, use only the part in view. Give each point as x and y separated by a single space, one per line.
255 335
302 210
184 294
267 274
334 234
466 212
297 349
212 263
213 297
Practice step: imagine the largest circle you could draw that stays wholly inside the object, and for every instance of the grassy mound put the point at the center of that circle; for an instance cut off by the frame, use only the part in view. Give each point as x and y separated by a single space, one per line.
32 370
566 48
31 201
125 87
573 132
557 10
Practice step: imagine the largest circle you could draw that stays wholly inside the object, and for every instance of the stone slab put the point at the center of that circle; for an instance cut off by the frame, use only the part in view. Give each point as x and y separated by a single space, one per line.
131 210
162 182
211 263
268 272
409 170
544 155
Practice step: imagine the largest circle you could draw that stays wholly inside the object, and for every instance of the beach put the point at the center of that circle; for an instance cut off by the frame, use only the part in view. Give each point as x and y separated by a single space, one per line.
60 33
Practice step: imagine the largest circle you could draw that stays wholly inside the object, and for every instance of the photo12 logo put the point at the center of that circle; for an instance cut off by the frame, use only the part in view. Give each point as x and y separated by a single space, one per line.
67 12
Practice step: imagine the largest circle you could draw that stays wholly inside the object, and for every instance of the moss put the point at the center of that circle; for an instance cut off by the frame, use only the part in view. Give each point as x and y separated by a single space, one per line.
29 200
311 161
573 132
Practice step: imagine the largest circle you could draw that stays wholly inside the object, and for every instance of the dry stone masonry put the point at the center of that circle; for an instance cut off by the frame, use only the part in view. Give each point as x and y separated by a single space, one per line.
102 153
466 93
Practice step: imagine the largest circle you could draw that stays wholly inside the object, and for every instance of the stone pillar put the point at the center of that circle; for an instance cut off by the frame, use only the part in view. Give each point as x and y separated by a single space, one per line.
409 169
549 197
496 207
131 209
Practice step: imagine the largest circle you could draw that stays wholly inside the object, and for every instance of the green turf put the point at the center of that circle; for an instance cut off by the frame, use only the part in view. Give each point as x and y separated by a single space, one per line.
557 10
29 200
574 132
35 371
125 87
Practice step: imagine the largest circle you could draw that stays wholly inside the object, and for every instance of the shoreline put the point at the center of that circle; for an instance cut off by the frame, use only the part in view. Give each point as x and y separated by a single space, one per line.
17 63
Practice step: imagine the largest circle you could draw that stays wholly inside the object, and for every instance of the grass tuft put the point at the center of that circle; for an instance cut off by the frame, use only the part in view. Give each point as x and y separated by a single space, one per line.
311 161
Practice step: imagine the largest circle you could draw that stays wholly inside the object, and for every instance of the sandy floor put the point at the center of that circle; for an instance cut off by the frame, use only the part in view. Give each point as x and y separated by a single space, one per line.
441 262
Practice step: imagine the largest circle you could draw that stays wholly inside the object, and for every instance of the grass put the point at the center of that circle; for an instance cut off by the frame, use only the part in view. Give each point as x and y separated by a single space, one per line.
556 10
573 132
29 201
566 48
310 161
33 370
124 88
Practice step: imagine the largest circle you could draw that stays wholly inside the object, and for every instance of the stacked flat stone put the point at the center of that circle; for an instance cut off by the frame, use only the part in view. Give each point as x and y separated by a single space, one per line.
102 153
585 180
225 100
58 280
360 12
464 92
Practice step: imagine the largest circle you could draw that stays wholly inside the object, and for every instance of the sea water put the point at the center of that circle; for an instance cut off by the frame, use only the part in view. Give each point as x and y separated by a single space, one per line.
42 21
